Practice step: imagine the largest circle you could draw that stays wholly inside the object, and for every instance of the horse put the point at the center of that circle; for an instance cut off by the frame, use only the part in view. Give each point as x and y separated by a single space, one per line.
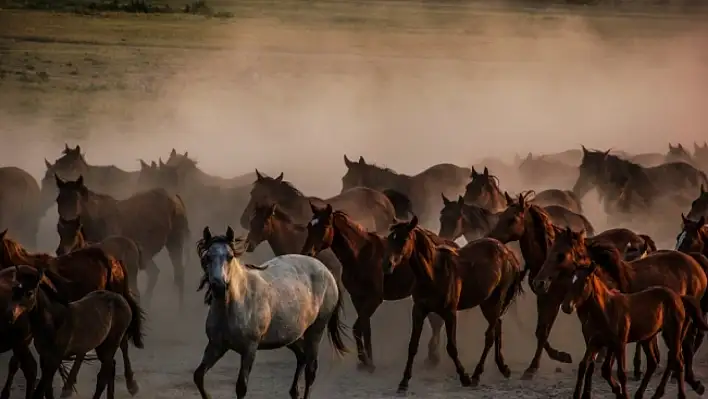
610 174
420 189
189 173
483 273
270 223
362 256
693 236
123 249
699 206
288 301
20 198
101 321
543 170
369 207
612 320
16 337
679 154
683 273
471 221
531 226
152 219
564 198
87 269
107 179
483 190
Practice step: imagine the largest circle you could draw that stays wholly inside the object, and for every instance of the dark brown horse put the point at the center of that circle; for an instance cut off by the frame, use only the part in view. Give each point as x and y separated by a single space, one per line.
543 170
125 250
699 206
362 256
612 320
20 204
683 273
107 179
471 221
693 236
152 219
611 175
564 198
101 320
15 337
421 189
483 273
189 173
679 154
269 223
531 226
88 269
369 207
484 191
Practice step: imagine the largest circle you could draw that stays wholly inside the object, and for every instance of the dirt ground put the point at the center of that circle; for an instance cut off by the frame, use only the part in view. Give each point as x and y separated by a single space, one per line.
275 93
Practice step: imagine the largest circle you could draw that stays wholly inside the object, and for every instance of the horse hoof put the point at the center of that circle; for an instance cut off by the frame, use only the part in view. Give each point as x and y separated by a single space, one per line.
366 367
66 393
133 388
565 358
506 371
465 380
637 376
528 374
475 382
402 389
371 368
699 388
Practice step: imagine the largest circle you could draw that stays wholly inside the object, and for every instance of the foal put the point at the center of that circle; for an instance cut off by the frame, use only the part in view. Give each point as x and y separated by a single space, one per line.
612 319
100 321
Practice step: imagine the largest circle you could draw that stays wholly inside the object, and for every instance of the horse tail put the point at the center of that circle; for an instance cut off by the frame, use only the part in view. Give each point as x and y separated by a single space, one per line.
516 289
649 244
336 328
693 309
703 262
135 329
401 203
575 198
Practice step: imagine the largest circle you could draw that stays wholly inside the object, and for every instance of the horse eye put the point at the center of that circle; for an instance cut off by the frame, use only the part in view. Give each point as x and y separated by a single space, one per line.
560 257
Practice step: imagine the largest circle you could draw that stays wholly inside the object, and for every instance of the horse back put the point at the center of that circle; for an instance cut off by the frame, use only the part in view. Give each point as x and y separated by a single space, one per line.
481 267
675 270
18 191
90 269
149 217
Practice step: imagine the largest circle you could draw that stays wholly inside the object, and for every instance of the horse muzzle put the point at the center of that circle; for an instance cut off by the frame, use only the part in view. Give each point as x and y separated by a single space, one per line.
568 307
540 286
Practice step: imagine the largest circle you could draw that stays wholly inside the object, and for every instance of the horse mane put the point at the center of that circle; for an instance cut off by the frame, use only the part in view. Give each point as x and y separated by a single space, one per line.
282 186
237 246
543 227
349 229
493 179
608 258
444 261
380 168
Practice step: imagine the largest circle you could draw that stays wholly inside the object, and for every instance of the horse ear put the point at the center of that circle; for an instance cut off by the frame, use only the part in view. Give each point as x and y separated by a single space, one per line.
361 160
509 200
314 208
280 177
347 162
161 163
444 198
680 146
60 182
3 234
206 234
460 200
259 176
47 163
606 153
568 231
474 173
173 153
153 164
413 223
529 157
329 209
77 149
143 165
486 171
186 154
670 147
702 221
230 235
683 218
522 201
585 150
695 146
80 181
581 235
66 147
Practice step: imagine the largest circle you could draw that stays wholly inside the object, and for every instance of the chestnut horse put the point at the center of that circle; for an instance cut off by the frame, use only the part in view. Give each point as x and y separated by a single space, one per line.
611 320
362 256
152 219
125 250
484 191
88 269
531 226
483 273
369 207
683 273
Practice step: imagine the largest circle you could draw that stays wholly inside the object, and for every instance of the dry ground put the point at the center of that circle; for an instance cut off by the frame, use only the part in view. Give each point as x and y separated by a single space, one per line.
237 93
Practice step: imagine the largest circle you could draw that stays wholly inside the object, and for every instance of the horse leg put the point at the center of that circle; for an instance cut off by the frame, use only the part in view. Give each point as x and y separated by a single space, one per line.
436 324
359 328
247 358
153 273
547 312
11 371
112 380
582 370
296 348
498 355
44 387
212 353
671 363
688 355
491 313
621 353
104 374
450 318
637 362
648 348
589 373
418 315
29 369
606 372
176 251
313 337
68 388
130 382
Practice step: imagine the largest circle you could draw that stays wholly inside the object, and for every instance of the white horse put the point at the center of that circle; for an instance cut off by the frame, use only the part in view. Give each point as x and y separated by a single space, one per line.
288 301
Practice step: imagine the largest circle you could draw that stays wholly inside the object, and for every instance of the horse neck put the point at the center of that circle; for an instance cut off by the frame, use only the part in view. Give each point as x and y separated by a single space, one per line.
47 317
422 259
79 241
597 304
20 256
348 241
534 246
237 281
286 237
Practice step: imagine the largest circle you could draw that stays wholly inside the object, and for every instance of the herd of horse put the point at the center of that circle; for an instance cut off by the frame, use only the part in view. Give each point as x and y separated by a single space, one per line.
386 236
